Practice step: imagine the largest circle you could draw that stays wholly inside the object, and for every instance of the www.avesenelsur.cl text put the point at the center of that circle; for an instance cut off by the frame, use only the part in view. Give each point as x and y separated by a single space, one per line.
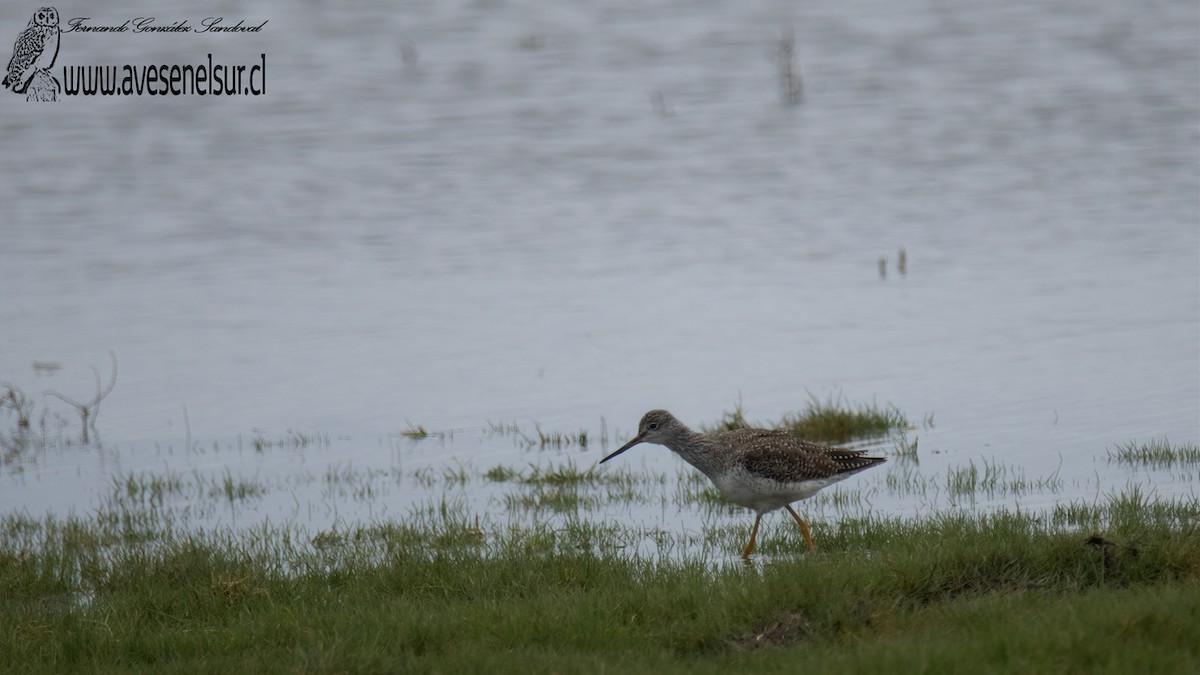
210 79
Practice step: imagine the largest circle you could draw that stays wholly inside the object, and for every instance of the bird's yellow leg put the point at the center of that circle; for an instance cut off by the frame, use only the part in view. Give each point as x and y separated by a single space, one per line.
753 533
803 526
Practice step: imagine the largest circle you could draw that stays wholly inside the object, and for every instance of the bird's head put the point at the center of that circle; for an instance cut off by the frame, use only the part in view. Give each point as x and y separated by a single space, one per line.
655 426
46 16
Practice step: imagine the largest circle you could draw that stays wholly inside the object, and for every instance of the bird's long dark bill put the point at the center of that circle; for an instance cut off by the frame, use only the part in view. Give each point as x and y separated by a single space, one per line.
636 439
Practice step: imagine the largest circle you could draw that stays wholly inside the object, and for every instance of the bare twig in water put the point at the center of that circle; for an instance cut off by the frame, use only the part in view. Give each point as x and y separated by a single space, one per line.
791 84
89 410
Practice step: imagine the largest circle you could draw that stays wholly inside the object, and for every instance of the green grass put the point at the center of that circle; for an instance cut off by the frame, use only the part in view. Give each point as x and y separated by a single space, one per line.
832 421
567 488
829 421
730 420
550 574
1155 453
133 492
992 479
1114 587
417 431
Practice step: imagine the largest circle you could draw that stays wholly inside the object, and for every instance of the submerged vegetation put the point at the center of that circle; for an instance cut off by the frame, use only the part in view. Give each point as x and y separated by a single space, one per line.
551 564
1155 453
291 440
20 409
539 438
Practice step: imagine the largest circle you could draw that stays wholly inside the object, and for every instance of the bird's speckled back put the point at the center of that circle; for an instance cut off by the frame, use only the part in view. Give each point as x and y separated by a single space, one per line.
770 453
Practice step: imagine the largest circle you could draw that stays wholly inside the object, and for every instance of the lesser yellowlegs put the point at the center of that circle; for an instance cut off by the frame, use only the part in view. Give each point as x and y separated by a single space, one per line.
760 469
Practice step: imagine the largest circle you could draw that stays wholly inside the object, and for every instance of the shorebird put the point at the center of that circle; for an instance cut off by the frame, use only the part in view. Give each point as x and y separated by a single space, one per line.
760 469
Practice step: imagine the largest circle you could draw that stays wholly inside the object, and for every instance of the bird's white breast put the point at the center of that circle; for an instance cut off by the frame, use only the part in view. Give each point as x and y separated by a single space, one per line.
761 495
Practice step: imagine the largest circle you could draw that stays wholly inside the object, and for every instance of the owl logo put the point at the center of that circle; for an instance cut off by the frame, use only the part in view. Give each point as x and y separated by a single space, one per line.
33 57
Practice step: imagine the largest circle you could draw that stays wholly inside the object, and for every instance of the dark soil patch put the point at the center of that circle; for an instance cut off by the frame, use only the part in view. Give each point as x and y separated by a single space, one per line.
778 633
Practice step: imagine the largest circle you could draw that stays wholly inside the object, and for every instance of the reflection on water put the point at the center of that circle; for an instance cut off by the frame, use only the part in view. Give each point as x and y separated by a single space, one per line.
461 213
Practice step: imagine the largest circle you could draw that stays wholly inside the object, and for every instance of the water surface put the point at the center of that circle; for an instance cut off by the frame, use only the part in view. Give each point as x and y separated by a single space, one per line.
455 213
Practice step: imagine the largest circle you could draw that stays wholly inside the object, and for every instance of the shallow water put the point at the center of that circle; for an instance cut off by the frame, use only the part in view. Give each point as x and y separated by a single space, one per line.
575 214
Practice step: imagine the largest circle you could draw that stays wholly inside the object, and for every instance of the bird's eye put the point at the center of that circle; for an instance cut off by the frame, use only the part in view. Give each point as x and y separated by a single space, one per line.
652 426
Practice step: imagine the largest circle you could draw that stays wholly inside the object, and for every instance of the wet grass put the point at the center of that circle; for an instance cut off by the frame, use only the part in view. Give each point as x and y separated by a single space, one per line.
1117 590
552 439
730 420
417 431
556 439
904 448
829 421
540 438
134 490
290 440
547 573
568 488
995 479
570 474
834 421
1155 453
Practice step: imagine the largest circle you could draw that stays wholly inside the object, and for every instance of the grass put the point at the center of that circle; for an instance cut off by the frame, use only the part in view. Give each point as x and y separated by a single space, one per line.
541 439
133 491
1155 453
832 421
567 488
291 440
539 569
415 431
1006 592
829 421
419 432
992 478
